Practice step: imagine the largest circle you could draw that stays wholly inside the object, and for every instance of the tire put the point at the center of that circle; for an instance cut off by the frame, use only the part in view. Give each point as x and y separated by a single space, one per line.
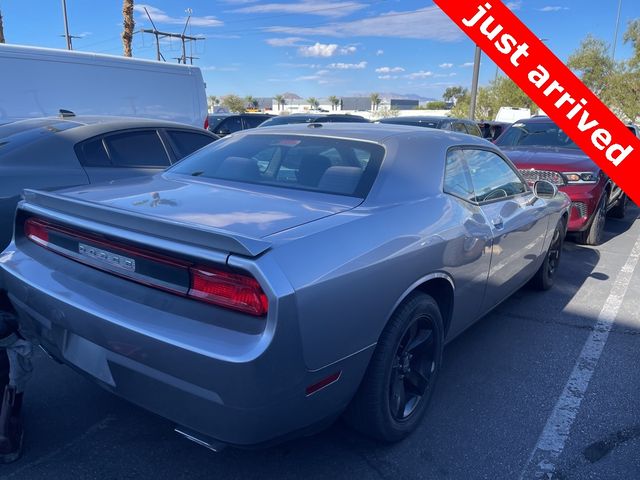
400 379
619 210
593 234
545 276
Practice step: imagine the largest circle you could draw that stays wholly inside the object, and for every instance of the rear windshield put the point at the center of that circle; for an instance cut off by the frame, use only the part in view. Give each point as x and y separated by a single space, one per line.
285 119
25 132
301 162
414 123
538 134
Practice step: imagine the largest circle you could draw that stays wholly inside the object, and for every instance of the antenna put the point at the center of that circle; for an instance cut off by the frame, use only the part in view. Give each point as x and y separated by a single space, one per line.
184 38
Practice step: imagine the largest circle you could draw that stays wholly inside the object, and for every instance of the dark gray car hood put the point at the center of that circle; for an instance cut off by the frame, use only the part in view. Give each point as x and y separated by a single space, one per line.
244 209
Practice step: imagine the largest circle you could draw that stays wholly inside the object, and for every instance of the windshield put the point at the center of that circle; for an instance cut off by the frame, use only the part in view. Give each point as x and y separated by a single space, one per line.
327 165
26 132
538 134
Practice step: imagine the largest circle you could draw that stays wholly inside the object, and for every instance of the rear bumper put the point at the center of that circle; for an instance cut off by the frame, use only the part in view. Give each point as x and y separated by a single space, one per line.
239 388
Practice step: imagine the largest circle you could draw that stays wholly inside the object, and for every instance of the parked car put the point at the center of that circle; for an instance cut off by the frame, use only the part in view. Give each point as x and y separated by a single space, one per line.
314 118
223 124
492 130
635 129
56 152
442 123
38 82
512 114
262 286
542 151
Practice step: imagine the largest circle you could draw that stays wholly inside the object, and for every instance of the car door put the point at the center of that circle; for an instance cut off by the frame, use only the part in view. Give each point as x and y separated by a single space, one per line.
467 255
123 154
517 219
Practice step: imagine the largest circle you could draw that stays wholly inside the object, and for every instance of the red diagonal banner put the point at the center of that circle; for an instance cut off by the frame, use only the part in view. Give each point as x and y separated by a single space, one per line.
552 86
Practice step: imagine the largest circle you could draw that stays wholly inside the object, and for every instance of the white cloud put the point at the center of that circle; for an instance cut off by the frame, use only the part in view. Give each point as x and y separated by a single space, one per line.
348 66
348 50
467 64
284 42
429 22
387 77
379 52
552 9
446 65
445 75
318 50
420 74
516 5
159 16
389 69
326 8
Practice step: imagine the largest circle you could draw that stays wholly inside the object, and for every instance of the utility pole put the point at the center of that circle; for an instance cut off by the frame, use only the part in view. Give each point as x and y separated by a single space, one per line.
615 37
66 25
183 38
1 29
474 84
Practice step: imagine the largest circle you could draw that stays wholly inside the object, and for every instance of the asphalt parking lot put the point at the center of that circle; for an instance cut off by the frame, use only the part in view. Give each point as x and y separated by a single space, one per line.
547 382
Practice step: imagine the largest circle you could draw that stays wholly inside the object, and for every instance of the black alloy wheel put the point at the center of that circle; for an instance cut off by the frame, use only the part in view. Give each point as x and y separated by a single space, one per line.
413 366
395 391
544 277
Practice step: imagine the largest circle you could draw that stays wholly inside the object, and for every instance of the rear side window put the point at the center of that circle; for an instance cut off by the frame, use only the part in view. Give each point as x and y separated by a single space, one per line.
137 149
327 165
459 127
473 129
185 143
457 181
93 154
253 121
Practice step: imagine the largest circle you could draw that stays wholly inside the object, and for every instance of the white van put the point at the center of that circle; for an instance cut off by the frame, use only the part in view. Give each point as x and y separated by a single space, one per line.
512 114
39 82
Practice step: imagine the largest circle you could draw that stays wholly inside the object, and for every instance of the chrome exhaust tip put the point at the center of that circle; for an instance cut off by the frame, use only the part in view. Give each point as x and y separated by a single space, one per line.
200 439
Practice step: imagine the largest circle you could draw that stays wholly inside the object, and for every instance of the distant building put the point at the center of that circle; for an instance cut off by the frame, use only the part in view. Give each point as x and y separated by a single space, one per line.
356 103
403 104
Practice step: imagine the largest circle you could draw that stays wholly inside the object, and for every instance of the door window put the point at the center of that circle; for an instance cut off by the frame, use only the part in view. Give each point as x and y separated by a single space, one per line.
492 177
185 143
137 149
252 121
92 153
230 125
459 127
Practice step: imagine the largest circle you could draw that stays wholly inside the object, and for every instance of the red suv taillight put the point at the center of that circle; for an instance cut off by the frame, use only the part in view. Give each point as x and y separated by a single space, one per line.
206 123
234 290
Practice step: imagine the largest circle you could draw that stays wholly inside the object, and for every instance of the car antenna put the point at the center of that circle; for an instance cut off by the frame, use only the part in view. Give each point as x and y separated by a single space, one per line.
66 113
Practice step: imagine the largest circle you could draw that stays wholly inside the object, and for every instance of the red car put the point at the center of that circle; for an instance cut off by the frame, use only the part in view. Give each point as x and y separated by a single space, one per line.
542 151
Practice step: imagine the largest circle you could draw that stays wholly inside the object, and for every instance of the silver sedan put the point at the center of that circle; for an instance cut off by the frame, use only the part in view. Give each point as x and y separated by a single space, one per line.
281 277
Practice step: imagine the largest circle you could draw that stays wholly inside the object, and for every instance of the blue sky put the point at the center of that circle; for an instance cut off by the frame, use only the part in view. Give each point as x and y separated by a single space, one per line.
313 47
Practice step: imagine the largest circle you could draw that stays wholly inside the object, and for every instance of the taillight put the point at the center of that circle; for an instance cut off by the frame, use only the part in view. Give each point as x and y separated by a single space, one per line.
37 231
231 290
206 123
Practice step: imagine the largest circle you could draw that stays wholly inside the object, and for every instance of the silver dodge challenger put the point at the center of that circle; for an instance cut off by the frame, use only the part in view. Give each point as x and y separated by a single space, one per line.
281 277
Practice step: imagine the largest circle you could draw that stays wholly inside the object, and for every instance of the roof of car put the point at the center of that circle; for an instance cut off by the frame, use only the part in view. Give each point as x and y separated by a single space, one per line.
372 132
106 120
535 119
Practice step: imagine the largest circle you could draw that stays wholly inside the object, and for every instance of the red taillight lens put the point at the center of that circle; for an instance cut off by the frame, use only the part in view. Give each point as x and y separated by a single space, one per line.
231 290
206 123
36 231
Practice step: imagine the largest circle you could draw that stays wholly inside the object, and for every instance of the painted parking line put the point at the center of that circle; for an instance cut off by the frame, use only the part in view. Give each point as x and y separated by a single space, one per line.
543 458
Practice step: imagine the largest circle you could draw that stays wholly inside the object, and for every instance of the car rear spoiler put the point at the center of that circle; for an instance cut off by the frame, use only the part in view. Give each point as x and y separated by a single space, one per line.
56 205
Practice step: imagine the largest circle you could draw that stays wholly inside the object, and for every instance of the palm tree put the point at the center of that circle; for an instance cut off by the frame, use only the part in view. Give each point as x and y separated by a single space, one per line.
313 102
1 30
375 100
128 25
213 101
335 101
280 100
251 101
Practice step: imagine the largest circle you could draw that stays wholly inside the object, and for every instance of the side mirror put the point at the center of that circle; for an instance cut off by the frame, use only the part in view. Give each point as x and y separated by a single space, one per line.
544 189
222 132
